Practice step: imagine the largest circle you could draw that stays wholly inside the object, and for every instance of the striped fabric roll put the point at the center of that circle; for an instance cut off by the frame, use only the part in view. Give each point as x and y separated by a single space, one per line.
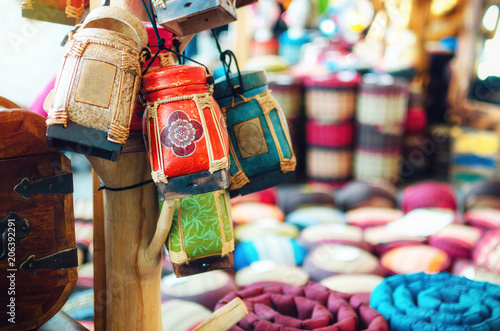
370 165
370 137
331 98
328 165
288 92
331 135
382 100
475 154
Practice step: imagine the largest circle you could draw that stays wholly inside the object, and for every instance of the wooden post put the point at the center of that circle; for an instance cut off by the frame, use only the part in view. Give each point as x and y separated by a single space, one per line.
133 239
99 260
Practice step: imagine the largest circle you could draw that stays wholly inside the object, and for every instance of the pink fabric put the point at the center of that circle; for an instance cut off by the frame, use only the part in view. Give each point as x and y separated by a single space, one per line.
456 239
416 121
311 307
487 219
329 135
37 105
487 251
429 194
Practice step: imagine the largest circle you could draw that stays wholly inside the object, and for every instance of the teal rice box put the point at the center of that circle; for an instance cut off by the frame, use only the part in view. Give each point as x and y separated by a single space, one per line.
261 153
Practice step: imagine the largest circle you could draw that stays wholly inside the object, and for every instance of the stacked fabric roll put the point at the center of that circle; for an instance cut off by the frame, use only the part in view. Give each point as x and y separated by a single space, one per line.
330 107
415 143
289 93
380 117
474 154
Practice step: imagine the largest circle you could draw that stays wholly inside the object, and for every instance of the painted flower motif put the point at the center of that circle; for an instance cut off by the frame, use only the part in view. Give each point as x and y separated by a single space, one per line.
180 134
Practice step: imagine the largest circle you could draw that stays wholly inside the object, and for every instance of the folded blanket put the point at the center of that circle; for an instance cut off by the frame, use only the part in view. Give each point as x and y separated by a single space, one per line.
311 307
437 302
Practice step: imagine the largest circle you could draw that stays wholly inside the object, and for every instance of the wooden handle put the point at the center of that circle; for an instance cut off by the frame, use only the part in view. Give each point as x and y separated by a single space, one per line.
226 317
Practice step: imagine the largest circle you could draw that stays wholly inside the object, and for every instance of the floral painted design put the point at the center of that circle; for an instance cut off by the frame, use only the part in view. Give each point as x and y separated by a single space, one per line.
181 134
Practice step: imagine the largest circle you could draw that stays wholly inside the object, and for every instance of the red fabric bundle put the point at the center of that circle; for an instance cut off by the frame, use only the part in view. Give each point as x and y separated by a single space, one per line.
429 194
311 307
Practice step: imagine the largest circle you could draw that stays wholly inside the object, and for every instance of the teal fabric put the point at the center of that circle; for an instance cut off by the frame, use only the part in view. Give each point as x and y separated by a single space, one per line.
259 162
437 302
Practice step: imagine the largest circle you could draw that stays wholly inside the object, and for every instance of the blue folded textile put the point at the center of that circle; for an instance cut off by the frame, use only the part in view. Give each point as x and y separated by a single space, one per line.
277 249
437 302
472 160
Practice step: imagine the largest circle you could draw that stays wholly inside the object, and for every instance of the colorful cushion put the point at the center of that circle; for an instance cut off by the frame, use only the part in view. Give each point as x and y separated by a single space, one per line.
429 194
419 258
437 302
80 305
268 272
383 239
364 217
482 194
263 227
311 307
484 218
332 259
487 251
332 233
268 195
85 277
352 283
180 315
278 249
467 268
309 216
307 195
247 212
425 222
457 240
205 288
362 194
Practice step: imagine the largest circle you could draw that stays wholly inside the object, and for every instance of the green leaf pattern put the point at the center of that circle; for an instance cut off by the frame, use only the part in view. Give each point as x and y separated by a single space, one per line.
200 225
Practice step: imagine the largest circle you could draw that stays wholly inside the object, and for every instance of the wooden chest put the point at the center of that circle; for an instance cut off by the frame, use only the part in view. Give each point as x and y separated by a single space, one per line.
38 256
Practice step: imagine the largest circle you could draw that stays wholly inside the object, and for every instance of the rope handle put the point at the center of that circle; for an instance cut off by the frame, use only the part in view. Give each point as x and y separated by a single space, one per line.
161 44
226 57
